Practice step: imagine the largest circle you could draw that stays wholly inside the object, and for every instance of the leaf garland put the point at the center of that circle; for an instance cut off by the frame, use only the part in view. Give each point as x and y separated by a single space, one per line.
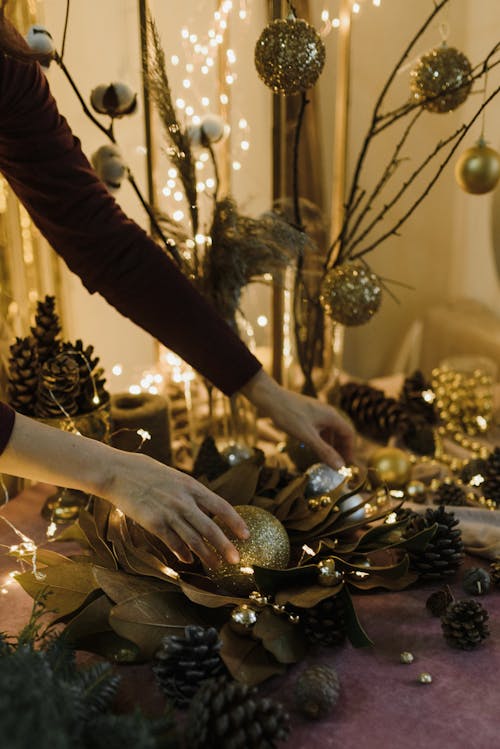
131 591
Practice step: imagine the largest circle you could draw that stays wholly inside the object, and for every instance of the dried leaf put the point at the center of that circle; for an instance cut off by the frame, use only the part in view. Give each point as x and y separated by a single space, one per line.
355 632
69 584
91 619
239 484
145 620
246 659
280 637
269 581
309 596
73 532
120 586
44 557
203 597
102 553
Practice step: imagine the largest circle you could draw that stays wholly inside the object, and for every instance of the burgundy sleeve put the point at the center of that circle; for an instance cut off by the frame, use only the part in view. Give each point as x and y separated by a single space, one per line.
7 418
44 164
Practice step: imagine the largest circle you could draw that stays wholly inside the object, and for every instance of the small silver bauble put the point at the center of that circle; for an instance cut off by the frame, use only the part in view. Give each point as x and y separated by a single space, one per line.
321 479
236 454
353 501
406 657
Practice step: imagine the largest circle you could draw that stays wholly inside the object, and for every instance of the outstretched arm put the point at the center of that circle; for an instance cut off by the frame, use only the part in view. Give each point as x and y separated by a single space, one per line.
166 502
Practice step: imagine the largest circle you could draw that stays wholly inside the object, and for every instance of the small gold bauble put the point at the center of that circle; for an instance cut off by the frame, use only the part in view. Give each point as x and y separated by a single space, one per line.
390 466
425 678
289 56
441 80
258 599
477 171
268 546
415 490
242 619
406 657
328 575
351 293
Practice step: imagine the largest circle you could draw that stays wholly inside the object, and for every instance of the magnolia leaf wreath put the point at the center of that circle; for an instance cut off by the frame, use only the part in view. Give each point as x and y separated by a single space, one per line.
127 590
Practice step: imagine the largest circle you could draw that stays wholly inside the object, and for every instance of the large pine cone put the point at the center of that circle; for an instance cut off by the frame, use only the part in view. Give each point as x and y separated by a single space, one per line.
92 380
58 388
449 493
47 329
23 376
317 691
417 397
379 418
325 623
227 715
444 552
464 624
183 663
491 486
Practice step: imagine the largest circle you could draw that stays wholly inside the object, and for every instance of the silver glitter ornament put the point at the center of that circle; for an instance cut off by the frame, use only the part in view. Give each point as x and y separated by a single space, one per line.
289 56
347 504
351 293
321 479
441 80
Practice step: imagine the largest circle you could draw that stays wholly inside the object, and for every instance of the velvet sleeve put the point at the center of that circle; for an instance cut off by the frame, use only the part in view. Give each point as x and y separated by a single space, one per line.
44 164
7 418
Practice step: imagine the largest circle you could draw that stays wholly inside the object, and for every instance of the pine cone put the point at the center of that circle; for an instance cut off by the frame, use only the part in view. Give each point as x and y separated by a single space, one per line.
476 581
227 715
412 397
325 623
464 624
495 573
379 418
317 692
438 602
444 552
493 463
92 381
58 388
449 493
209 462
491 488
47 329
472 468
23 376
183 663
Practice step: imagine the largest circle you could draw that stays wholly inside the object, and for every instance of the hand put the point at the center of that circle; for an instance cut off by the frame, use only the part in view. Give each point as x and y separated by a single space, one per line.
175 507
166 502
310 421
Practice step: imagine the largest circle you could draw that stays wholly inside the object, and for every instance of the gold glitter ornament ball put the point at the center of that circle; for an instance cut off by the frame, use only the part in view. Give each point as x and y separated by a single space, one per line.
389 466
268 546
351 293
289 56
477 171
441 80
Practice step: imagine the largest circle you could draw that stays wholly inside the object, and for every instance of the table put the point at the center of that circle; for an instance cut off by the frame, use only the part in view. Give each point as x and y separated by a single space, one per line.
381 704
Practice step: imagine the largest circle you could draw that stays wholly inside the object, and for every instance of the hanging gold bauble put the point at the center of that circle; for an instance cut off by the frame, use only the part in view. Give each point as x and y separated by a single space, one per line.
477 171
351 293
289 56
441 80
390 466
268 546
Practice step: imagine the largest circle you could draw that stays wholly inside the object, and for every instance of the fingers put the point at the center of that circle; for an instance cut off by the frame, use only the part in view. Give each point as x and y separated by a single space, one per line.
218 506
191 536
210 531
177 546
325 452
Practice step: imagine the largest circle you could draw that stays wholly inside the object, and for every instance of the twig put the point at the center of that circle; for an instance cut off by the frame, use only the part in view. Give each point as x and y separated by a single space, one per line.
296 144
465 130
438 6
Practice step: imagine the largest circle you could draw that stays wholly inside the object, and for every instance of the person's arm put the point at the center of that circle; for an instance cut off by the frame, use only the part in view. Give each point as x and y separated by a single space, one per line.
170 504
44 164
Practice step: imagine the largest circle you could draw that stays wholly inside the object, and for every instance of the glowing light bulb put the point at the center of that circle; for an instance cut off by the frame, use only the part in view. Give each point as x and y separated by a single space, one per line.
355 7
325 15
180 103
242 124
236 166
134 390
185 33
336 23
262 321
178 215
189 111
117 370
204 99
186 83
245 145
230 54
174 60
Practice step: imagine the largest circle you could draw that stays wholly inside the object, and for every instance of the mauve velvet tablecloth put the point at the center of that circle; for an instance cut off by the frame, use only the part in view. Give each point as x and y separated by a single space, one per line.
381 704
